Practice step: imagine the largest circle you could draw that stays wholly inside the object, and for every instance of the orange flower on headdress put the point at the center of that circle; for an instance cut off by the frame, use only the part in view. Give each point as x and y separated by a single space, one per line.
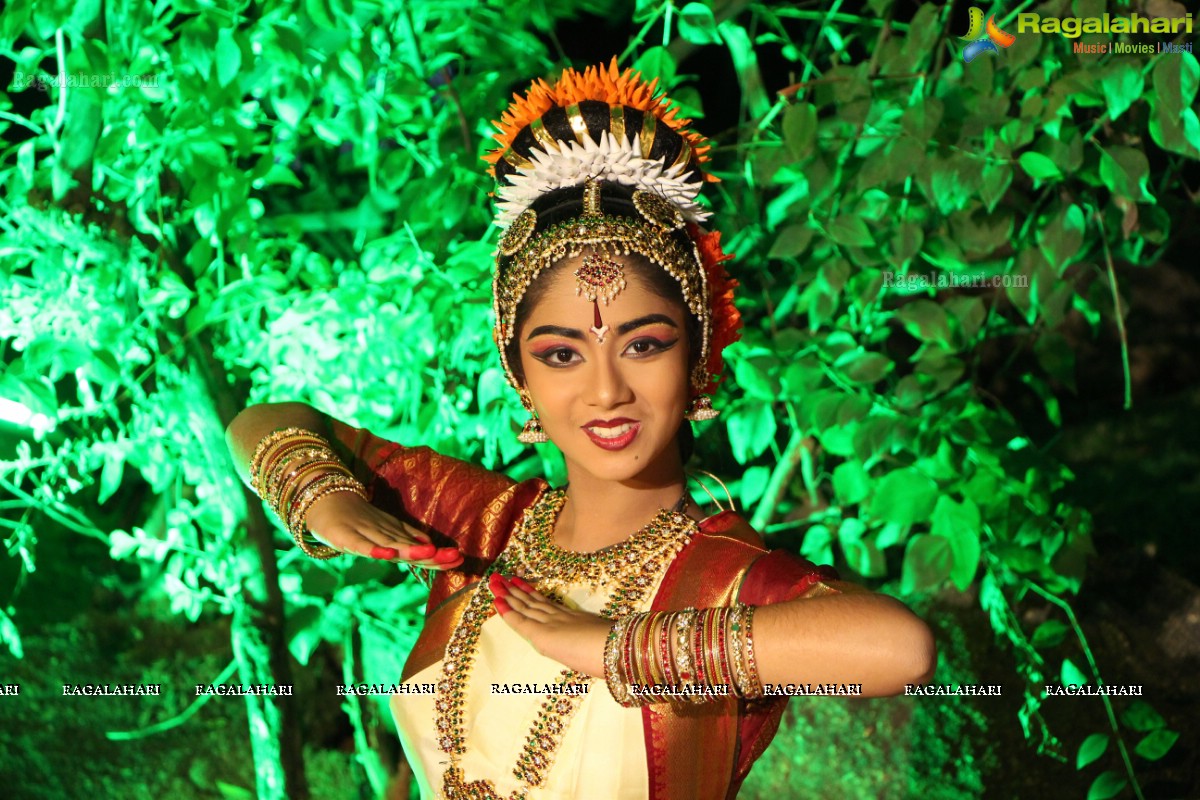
605 84
725 319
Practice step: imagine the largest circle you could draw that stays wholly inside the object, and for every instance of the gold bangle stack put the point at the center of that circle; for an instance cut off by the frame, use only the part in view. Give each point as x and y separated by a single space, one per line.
687 653
293 468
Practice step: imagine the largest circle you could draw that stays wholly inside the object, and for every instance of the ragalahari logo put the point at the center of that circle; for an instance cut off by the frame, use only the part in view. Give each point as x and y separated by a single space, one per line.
979 43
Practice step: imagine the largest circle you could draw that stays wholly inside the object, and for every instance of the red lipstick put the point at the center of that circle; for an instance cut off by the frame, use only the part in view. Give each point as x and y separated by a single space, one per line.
612 434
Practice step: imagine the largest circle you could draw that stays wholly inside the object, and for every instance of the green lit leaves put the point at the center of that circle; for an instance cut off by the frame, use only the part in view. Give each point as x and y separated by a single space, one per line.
1174 125
864 367
657 61
76 142
753 485
1126 171
698 25
792 202
800 129
1061 239
112 472
860 549
751 427
228 57
904 496
1039 167
956 183
86 115
993 184
745 62
950 182
850 231
138 544
328 14
1050 633
906 242
12 22
927 321
1156 744
49 357
290 101
1121 84
792 241
981 234
757 371
1141 716
818 545
826 409
1071 675
851 483
302 628
1107 784
927 562
915 48
170 296
1176 82
961 526
921 120
10 635
1092 748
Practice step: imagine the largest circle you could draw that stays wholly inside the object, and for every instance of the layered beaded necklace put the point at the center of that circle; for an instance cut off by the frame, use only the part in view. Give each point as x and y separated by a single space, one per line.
627 569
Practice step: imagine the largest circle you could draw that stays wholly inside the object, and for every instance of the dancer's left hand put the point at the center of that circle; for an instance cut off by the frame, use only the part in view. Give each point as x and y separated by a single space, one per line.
573 638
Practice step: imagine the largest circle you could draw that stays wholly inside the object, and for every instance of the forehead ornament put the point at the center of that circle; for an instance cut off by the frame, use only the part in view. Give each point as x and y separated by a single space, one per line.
599 280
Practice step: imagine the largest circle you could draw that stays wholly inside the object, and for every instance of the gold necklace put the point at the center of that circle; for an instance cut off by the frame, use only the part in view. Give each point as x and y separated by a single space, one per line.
631 568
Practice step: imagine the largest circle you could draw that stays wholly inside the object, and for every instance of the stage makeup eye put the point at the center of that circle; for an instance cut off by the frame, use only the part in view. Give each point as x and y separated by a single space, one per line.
557 356
648 345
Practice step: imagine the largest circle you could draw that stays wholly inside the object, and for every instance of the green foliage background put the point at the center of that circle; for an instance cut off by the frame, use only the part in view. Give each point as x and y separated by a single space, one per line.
290 205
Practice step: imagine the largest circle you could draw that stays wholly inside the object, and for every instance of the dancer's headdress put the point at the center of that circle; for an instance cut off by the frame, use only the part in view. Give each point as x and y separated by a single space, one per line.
600 161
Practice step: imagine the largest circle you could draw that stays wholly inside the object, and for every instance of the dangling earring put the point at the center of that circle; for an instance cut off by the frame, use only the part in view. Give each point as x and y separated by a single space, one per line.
700 409
532 433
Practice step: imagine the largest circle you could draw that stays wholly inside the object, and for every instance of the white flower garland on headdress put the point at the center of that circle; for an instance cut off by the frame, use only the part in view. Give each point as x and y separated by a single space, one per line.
608 160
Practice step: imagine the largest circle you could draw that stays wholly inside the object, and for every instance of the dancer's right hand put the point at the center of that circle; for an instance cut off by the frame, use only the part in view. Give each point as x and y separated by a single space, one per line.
348 523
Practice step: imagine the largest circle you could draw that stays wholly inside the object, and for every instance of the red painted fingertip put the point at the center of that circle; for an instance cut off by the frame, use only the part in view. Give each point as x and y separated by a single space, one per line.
385 553
419 552
496 584
445 555
521 584
502 606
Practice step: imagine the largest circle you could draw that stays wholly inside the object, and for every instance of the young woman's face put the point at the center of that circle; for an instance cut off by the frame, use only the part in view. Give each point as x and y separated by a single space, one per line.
613 408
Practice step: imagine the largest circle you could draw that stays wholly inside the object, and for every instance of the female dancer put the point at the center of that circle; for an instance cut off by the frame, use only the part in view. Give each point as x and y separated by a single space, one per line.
605 639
